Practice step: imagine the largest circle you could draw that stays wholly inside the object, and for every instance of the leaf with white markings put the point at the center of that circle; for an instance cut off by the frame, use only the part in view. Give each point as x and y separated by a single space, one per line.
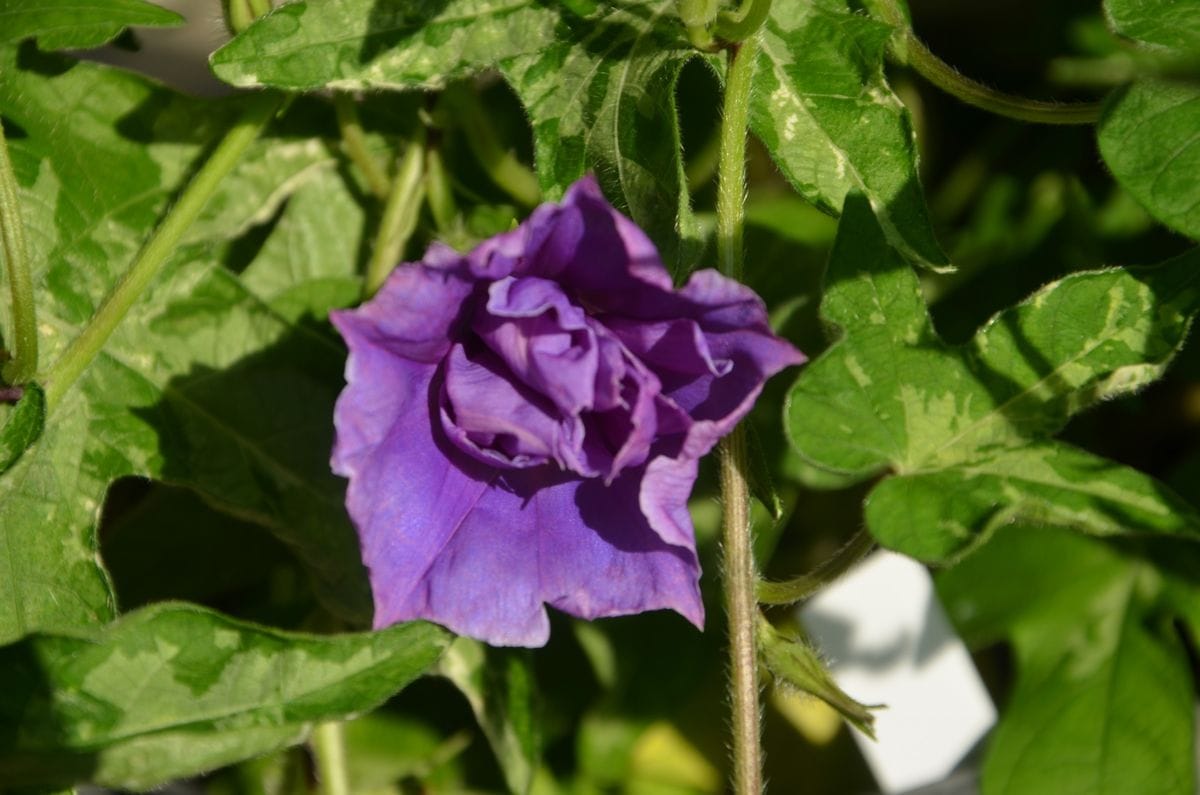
209 383
598 82
973 422
77 24
824 110
174 690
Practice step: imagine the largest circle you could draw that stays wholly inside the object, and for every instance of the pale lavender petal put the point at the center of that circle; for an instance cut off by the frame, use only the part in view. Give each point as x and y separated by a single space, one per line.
416 313
386 446
600 557
663 498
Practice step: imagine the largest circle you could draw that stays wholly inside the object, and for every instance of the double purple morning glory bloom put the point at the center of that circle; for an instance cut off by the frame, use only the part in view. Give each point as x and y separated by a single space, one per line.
521 423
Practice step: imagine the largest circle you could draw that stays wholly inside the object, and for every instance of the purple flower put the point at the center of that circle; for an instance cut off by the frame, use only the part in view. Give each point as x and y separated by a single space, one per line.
521 424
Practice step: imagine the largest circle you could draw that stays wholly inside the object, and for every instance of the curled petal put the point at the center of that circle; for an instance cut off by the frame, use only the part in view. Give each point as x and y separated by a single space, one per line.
545 340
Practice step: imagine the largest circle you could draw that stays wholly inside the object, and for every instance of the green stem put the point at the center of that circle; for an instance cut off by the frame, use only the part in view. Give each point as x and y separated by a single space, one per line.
509 173
356 145
84 348
20 283
399 216
260 7
945 77
800 588
329 750
741 24
739 573
438 191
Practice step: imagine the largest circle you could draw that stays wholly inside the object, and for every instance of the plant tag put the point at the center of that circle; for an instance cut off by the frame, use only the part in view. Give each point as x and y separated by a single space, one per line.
888 641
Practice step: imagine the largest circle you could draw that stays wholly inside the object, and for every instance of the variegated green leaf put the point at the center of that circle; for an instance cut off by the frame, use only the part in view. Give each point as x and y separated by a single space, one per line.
208 383
962 426
357 44
829 119
77 24
1173 25
936 516
174 690
603 99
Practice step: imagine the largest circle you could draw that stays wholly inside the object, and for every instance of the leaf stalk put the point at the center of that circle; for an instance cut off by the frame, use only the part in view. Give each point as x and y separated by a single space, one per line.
158 249
399 215
914 53
737 541
800 588
329 751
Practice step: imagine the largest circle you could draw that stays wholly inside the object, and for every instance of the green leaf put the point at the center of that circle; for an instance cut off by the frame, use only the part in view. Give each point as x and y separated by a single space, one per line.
207 384
598 82
22 426
1148 139
174 690
937 515
499 686
358 44
602 98
77 24
825 112
972 421
1102 701
1170 24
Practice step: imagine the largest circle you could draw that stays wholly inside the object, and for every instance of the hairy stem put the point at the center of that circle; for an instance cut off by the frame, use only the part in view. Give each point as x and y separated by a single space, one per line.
84 348
399 216
800 588
356 145
24 342
739 574
945 77
329 751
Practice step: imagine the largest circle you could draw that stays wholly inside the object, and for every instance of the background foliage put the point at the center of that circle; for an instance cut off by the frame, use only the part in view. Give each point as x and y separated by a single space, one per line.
1002 383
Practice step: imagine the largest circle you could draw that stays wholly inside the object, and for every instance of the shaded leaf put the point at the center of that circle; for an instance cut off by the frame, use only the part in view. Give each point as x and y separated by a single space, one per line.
22 426
829 119
77 24
1098 705
499 686
1148 139
891 395
205 384
173 690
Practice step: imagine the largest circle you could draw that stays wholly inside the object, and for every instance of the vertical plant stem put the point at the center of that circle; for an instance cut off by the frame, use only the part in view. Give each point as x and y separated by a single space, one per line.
84 348
399 216
329 750
356 145
739 574
24 342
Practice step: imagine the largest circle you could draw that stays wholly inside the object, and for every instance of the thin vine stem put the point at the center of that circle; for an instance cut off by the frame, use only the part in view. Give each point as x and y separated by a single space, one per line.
84 348
789 592
399 215
329 751
948 79
739 573
20 282
356 145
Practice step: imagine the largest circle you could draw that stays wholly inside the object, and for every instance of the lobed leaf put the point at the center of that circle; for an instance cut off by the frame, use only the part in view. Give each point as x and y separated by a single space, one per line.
825 112
174 690
964 427
77 24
